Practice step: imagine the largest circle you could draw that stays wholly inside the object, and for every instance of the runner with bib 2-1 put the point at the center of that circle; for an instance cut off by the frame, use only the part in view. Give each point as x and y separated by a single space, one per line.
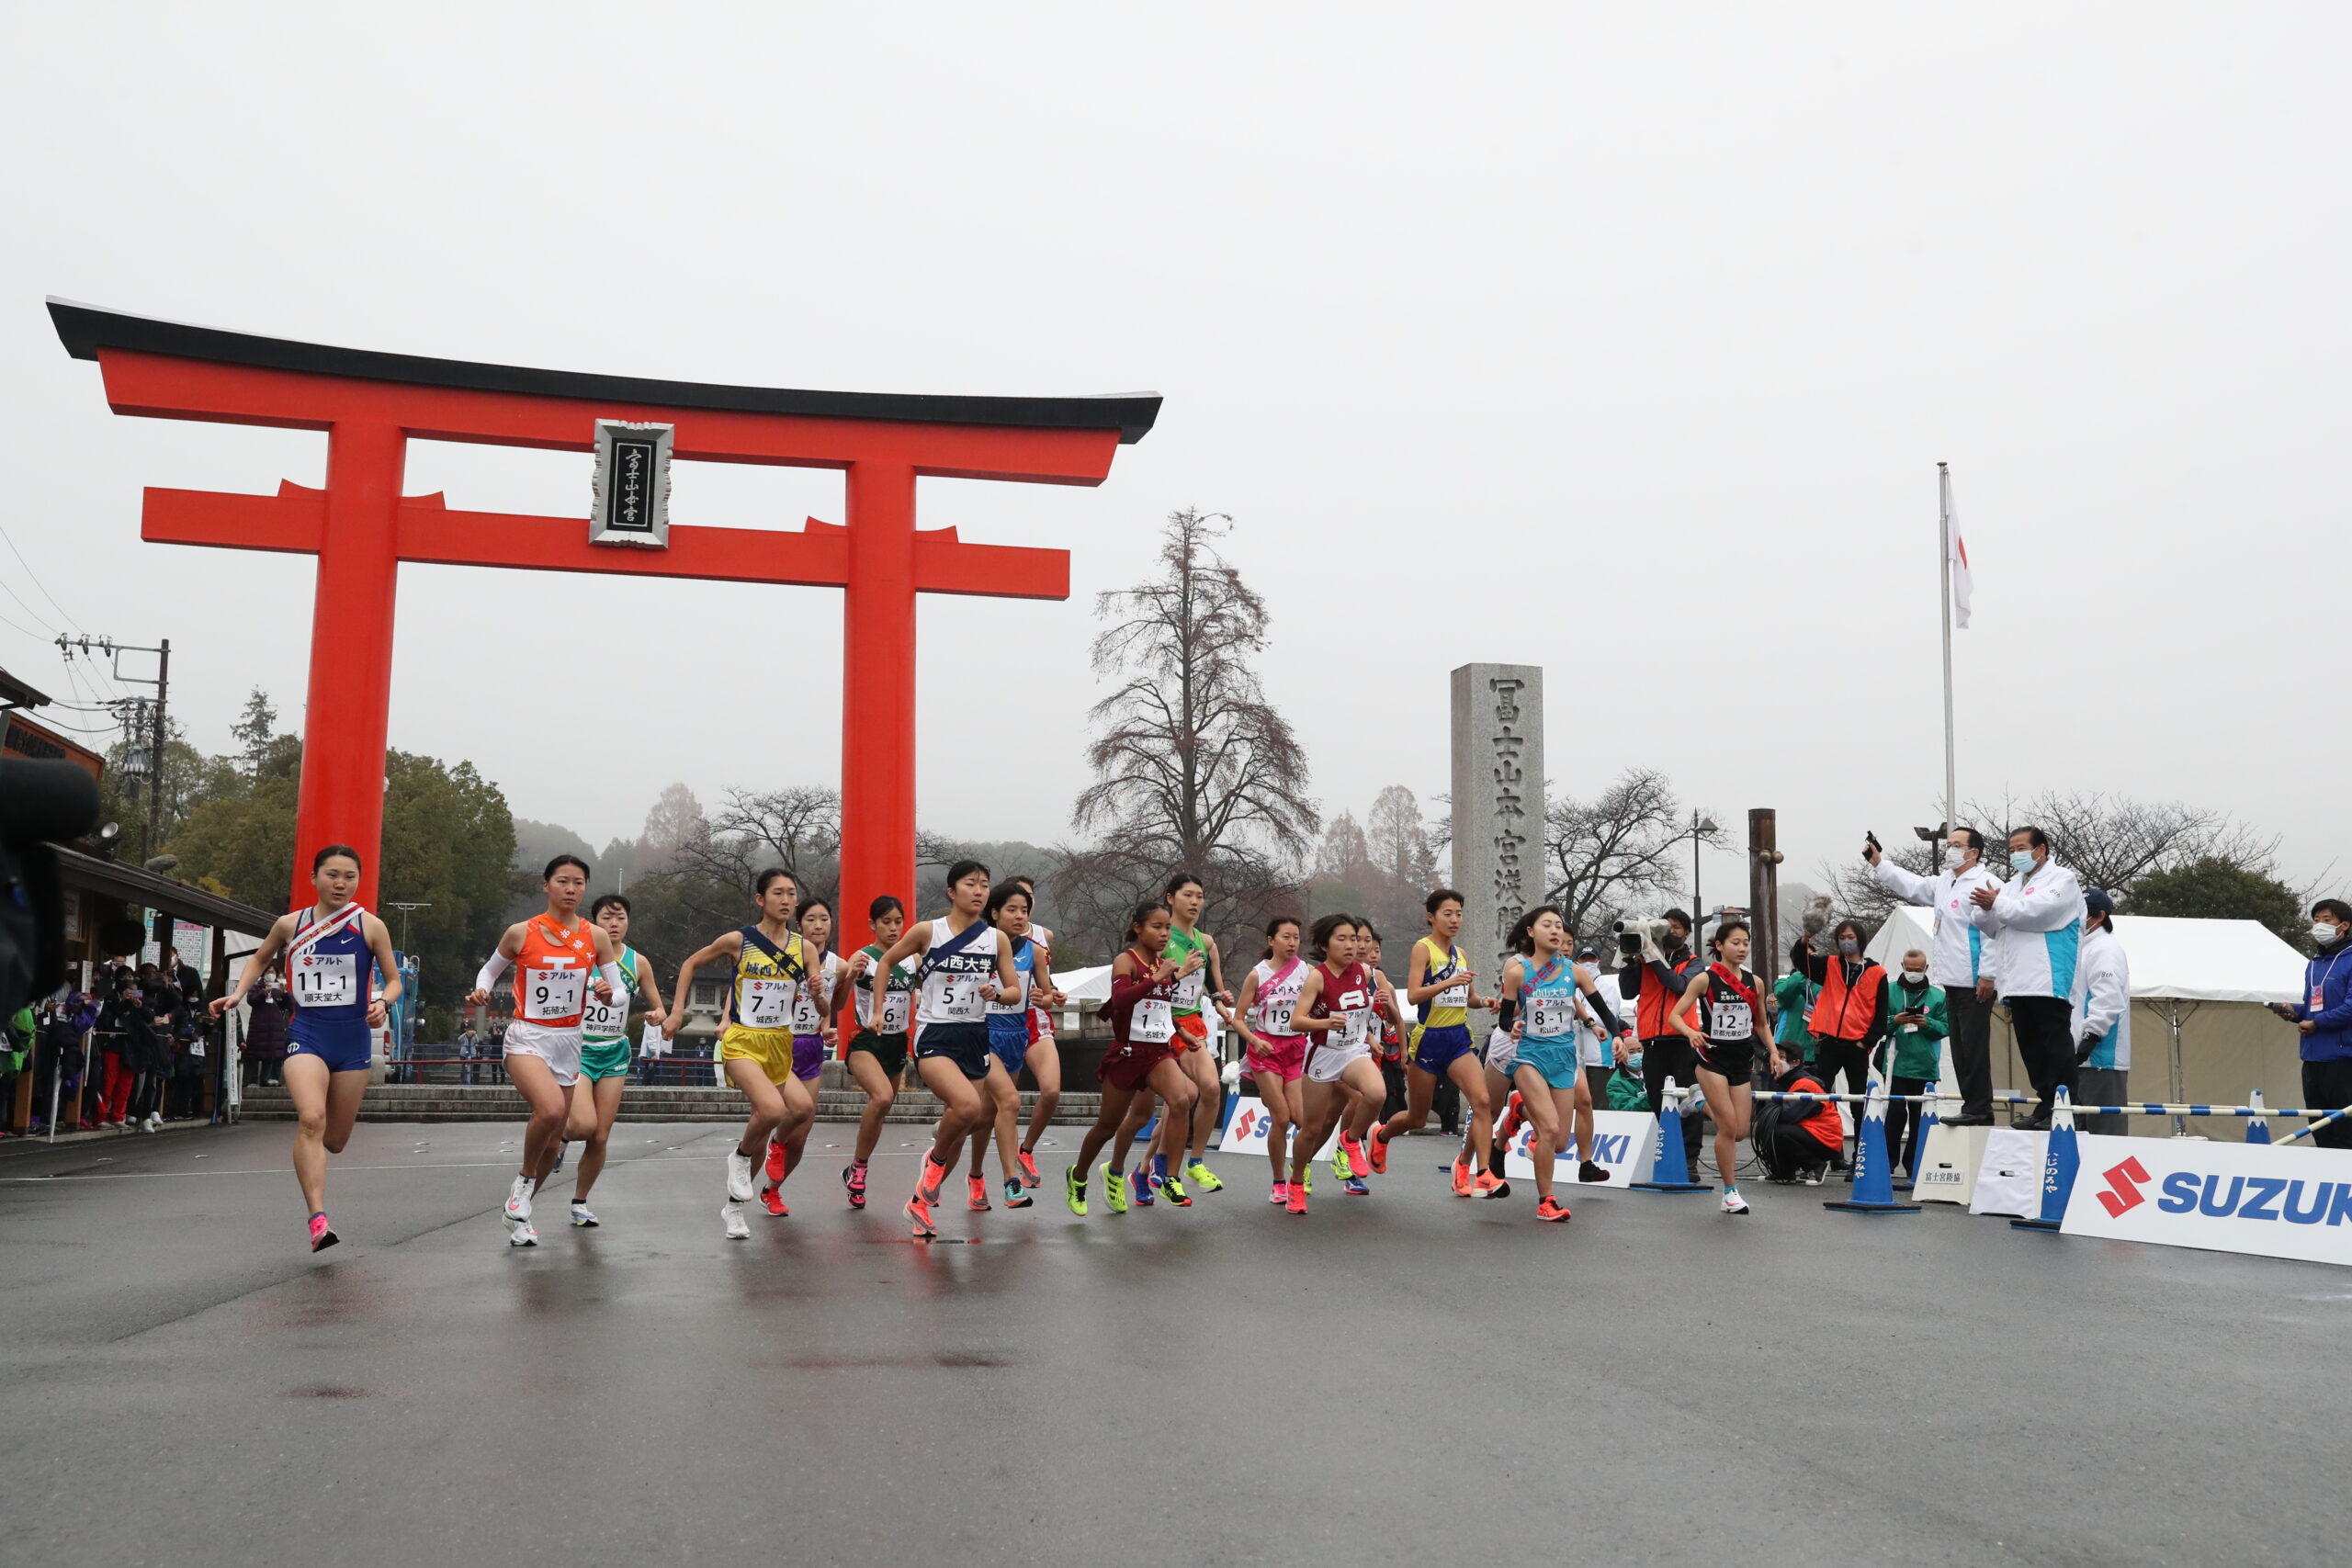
330 950
561 962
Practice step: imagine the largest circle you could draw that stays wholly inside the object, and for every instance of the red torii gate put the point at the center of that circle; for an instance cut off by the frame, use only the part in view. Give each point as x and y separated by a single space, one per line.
361 527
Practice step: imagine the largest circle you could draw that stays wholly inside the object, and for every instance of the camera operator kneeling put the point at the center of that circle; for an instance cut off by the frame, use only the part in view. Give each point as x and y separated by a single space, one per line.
1803 1136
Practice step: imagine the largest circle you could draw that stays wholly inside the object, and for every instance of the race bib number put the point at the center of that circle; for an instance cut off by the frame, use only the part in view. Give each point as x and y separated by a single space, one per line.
1454 996
1018 1003
1730 1021
895 1008
1188 989
1154 1021
807 1017
553 993
766 1002
959 999
606 1020
326 980
1273 1017
1551 1019
1359 1026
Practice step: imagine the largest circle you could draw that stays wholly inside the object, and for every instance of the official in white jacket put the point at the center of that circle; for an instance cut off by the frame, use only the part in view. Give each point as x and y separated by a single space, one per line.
2102 1017
2036 923
1960 960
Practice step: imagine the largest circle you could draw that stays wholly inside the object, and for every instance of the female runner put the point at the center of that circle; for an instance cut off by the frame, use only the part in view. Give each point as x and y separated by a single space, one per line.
1550 988
769 965
1009 1022
1724 1025
605 1054
560 961
965 967
1045 1055
1145 1043
812 1039
1200 973
329 951
1335 1009
1276 1051
1439 982
877 1049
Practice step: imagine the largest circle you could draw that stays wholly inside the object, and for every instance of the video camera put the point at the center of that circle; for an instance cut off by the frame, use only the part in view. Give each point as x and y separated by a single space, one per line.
39 803
1640 937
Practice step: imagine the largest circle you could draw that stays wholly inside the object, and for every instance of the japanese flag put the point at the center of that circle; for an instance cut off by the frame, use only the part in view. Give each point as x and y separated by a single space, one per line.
1962 586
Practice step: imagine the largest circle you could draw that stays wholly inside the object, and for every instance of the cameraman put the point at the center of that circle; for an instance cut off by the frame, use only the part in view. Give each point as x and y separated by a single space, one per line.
1665 1053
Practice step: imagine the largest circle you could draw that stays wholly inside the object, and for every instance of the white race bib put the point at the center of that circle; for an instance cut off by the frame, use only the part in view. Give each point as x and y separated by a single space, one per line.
1154 1021
1549 1018
1359 1026
1273 1017
1188 988
807 1017
764 1001
959 999
895 1007
326 980
1730 1021
552 993
1454 996
605 1020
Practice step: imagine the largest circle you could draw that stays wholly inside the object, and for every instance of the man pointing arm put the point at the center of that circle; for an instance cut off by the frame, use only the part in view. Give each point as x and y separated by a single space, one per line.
1960 960
2036 923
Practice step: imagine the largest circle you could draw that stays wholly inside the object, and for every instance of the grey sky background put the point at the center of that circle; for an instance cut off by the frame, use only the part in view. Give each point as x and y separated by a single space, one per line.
1623 340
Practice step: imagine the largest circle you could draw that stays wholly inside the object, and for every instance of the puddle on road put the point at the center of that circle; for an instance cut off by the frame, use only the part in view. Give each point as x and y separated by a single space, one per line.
327 1390
922 1361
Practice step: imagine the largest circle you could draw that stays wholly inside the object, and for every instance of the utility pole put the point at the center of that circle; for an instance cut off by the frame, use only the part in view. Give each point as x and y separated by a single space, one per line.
1764 887
154 719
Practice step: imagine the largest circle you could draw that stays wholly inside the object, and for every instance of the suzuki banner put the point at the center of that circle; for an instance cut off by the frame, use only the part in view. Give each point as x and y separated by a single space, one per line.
1623 1141
1246 1129
2277 1201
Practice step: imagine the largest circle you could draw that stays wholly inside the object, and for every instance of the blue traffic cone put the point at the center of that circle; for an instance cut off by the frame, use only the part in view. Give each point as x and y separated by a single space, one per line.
2258 1126
1668 1155
2058 1167
1908 1179
1873 1182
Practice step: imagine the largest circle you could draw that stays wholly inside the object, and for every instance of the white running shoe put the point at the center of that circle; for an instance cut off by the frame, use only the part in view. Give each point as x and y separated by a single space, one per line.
738 1178
522 1235
737 1228
581 1215
518 1203
1733 1202
154 1122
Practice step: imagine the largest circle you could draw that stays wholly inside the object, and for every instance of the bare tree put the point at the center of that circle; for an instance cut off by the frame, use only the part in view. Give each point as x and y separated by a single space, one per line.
1194 768
1855 891
1610 855
1397 842
1345 854
2112 840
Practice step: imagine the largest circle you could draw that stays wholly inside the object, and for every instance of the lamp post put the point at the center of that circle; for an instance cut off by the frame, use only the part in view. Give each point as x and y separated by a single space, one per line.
405 908
1700 827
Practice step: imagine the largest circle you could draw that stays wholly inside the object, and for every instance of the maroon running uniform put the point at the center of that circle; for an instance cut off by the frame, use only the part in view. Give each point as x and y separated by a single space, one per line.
1143 1025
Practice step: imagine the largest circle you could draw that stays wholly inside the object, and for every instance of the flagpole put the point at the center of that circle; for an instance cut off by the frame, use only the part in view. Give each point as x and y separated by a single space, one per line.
1943 557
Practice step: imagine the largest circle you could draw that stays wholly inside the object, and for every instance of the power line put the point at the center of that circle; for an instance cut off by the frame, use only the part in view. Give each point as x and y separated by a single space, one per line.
36 580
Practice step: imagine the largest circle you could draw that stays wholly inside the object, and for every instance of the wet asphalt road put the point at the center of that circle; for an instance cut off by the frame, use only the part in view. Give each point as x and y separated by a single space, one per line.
1407 1378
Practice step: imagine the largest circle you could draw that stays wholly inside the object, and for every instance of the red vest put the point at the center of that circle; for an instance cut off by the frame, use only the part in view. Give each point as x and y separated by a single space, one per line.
1845 1013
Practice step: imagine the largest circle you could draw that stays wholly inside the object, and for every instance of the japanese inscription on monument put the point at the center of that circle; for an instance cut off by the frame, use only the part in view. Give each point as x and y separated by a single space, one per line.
1497 798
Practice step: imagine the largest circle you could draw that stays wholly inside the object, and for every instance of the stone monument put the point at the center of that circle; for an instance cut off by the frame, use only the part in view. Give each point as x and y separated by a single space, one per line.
1497 802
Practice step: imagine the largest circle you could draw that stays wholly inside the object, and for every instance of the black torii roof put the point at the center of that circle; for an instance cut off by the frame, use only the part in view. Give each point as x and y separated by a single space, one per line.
85 329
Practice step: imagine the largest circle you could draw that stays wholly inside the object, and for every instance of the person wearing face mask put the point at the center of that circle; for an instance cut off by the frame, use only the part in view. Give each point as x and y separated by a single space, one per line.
2102 1001
1663 977
2036 923
1960 962
2325 1019
1918 1019
1848 1018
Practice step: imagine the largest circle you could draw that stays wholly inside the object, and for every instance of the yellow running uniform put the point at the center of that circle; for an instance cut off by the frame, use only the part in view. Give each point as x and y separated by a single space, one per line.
759 1003
1449 1007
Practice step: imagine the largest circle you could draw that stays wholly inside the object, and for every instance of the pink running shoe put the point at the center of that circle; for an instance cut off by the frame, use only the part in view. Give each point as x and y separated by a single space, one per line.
1029 1177
854 1177
322 1234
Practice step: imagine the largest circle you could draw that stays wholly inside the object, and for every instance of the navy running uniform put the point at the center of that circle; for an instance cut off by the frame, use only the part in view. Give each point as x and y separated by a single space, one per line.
329 968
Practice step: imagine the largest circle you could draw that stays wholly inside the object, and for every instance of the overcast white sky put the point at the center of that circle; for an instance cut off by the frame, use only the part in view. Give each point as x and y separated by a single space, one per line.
1532 334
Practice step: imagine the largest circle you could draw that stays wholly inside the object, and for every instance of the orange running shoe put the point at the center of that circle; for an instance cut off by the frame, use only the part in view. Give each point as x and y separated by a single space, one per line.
1514 1112
1552 1208
1359 1161
772 1198
978 1199
1297 1202
776 1161
1377 1147
1462 1174
1029 1177
1489 1185
934 1174
919 1216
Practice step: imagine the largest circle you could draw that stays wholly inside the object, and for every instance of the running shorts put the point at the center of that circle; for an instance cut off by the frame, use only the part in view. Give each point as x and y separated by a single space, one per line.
1284 1055
604 1059
1194 1028
769 1049
1554 1058
1438 1046
1127 1066
808 1056
1326 1062
1735 1059
1502 1052
1009 1040
888 1051
345 1045
558 1048
965 1044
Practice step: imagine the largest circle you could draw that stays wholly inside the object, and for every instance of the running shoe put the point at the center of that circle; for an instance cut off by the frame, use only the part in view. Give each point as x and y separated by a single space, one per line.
1357 1187
523 1236
772 1199
1733 1202
1029 1177
1552 1208
919 1216
1140 1182
1489 1185
775 1161
976 1198
1342 1163
1378 1150
933 1175
322 1234
517 1211
1281 1193
853 1178
1589 1171
556 1168
738 1178
1307 1188
1201 1177
1174 1191
1514 1112
583 1216
1074 1193
737 1228
1462 1170
1016 1195
1297 1203
1115 1190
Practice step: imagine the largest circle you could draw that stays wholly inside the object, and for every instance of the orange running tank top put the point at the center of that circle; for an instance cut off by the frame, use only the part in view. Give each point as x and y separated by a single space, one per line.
553 973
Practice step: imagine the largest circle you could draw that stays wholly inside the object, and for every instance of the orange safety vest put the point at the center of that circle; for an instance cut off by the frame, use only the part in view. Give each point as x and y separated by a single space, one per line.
1653 1002
1824 1125
1844 1012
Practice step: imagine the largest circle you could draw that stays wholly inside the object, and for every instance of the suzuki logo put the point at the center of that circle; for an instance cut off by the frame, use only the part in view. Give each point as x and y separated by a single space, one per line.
2123 1194
1241 1128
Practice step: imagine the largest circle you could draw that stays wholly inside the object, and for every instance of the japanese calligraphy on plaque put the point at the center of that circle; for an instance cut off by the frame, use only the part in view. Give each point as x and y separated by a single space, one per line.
632 506
1497 798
